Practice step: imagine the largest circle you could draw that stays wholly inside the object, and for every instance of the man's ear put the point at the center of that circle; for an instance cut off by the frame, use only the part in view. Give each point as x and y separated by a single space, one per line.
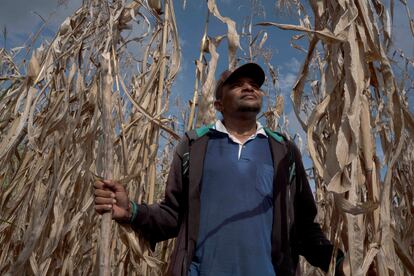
218 105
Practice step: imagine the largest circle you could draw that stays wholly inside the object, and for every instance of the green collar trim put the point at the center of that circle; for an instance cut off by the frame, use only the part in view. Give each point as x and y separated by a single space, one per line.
274 135
201 131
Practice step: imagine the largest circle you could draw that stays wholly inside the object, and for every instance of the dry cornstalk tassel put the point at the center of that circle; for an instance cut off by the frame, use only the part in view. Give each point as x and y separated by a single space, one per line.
232 35
206 111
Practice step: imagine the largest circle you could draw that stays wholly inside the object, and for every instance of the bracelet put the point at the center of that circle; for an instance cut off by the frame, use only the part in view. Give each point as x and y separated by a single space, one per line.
338 261
134 211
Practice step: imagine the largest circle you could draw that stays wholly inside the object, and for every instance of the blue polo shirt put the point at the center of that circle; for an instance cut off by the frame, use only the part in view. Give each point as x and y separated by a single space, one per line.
236 211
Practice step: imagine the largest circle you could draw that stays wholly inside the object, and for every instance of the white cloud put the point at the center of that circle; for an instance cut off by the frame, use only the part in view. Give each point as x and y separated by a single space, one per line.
288 75
294 126
293 65
183 42
286 82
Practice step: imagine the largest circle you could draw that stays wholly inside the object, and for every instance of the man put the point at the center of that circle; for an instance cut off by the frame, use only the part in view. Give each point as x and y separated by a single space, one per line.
237 197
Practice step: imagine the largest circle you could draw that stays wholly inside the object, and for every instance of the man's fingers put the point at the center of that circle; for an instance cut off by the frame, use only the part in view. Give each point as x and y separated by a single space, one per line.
113 185
108 184
98 184
104 201
100 209
107 192
104 193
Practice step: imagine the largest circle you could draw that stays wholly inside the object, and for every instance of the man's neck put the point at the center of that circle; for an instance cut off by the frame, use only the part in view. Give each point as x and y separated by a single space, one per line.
241 128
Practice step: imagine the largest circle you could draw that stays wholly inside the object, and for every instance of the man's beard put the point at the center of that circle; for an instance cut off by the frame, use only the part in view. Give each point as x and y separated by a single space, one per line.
249 108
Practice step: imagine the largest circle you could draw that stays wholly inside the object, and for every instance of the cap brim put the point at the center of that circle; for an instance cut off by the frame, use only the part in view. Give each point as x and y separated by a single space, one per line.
250 70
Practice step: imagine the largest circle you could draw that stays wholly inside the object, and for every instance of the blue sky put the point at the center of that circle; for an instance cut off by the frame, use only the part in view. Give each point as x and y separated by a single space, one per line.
191 29
22 18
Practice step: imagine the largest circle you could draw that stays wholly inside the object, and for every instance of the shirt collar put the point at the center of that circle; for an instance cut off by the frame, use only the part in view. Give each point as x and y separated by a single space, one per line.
219 126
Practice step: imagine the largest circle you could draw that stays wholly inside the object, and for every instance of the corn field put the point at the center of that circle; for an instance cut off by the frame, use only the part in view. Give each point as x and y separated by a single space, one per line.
92 104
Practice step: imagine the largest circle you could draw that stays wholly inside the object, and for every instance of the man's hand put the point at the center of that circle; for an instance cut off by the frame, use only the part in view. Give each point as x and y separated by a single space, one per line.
344 268
112 196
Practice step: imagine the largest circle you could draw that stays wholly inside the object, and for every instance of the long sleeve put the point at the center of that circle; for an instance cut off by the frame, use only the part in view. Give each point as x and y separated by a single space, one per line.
313 244
161 221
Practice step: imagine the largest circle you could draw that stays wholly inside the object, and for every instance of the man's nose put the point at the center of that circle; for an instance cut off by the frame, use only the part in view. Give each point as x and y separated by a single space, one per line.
248 87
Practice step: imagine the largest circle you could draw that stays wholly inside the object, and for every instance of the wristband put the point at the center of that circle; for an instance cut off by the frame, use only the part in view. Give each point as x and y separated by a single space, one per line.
134 211
338 261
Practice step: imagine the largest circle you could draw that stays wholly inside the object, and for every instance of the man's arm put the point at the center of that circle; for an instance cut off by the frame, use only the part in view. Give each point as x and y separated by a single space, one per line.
156 222
161 221
312 243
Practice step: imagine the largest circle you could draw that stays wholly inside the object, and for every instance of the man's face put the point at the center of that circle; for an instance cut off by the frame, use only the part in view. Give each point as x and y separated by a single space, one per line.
242 95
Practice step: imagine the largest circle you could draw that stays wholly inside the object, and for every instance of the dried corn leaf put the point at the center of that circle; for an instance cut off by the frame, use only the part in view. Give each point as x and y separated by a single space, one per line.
232 35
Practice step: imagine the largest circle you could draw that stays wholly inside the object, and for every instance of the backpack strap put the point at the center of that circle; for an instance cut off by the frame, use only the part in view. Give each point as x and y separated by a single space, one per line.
283 139
183 148
292 164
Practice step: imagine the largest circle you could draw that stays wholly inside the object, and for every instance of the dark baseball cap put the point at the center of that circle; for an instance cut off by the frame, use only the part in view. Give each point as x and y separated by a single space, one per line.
251 70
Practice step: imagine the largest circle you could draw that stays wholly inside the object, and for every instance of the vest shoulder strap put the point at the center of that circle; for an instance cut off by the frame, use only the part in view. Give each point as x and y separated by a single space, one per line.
290 147
183 148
